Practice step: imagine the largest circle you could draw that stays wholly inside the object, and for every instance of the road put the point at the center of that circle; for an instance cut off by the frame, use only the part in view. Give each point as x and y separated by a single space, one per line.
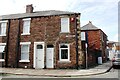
114 73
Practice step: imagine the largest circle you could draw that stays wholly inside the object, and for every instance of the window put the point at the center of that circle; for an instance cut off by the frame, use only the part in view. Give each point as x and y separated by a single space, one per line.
83 36
25 51
64 52
2 51
65 25
26 26
3 25
39 47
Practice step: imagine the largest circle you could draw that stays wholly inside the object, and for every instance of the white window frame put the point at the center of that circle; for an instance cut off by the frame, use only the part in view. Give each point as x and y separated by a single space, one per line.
25 43
26 19
62 49
68 25
2 44
83 36
3 27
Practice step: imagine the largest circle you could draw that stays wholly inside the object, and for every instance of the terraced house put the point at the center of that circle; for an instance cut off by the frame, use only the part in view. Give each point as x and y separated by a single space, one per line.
43 39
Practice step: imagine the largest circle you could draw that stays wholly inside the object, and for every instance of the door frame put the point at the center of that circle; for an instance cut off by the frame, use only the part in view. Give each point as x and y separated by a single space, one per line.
53 56
34 56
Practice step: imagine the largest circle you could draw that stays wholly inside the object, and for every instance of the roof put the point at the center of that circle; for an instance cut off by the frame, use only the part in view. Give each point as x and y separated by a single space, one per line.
89 26
35 14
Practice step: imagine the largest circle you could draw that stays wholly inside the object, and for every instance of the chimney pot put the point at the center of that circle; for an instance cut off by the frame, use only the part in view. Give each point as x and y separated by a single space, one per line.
90 22
29 8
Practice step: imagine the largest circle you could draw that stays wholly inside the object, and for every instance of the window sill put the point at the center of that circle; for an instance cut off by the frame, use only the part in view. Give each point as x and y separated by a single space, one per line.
2 35
25 34
2 60
24 60
64 32
64 61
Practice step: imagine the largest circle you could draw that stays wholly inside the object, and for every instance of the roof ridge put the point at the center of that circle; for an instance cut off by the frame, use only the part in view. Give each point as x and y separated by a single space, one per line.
34 14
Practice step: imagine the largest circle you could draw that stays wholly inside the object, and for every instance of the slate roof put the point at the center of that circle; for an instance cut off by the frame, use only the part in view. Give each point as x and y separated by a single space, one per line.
35 14
89 26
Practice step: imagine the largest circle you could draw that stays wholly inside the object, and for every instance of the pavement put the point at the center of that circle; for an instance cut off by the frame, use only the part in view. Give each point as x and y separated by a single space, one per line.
100 69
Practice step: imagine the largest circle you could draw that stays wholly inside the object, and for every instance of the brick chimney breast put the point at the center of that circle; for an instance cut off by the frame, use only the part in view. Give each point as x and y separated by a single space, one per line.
29 8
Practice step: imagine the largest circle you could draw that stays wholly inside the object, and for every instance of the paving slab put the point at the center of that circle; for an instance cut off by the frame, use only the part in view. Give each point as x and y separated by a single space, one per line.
58 72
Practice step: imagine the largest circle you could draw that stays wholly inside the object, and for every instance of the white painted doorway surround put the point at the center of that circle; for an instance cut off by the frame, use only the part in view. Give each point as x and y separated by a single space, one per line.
50 57
38 55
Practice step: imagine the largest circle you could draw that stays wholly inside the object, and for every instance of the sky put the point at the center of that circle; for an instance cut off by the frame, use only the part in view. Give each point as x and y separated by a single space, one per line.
102 13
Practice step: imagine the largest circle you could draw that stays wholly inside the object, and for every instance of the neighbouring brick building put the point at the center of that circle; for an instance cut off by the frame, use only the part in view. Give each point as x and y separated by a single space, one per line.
94 44
43 39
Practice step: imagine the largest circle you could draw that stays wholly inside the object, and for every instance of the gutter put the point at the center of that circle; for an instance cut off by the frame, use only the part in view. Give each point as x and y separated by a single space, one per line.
6 55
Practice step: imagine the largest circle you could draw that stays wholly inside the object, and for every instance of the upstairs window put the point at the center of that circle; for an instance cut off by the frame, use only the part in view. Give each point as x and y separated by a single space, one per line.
3 25
65 26
26 26
83 36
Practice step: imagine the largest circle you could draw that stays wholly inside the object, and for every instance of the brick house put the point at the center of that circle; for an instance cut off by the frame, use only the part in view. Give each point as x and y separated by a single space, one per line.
94 43
43 39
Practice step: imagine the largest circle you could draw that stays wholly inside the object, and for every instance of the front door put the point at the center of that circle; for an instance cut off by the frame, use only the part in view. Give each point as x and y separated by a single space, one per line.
50 56
39 56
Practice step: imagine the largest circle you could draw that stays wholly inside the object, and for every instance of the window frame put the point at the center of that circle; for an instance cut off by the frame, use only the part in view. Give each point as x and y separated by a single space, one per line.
68 25
2 44
3 27
83 36
26 19
25 60
60 59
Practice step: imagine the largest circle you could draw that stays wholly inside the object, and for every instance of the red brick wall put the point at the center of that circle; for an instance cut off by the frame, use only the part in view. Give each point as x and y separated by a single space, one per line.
94 39
104 45
12 43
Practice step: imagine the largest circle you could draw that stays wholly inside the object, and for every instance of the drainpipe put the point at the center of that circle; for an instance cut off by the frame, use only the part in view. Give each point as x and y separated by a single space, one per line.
7 44
18 45
76 38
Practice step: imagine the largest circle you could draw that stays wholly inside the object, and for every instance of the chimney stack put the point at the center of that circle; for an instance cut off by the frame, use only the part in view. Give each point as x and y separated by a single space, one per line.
29 8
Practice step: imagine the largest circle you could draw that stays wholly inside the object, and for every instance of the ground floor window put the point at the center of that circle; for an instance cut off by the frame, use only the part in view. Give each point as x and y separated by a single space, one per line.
2 51
25 47
64 54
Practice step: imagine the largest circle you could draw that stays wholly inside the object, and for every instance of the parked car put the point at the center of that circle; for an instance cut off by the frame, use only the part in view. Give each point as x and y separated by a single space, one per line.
116 59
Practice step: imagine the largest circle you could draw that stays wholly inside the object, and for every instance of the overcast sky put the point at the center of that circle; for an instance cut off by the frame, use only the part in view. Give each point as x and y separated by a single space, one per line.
102 13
